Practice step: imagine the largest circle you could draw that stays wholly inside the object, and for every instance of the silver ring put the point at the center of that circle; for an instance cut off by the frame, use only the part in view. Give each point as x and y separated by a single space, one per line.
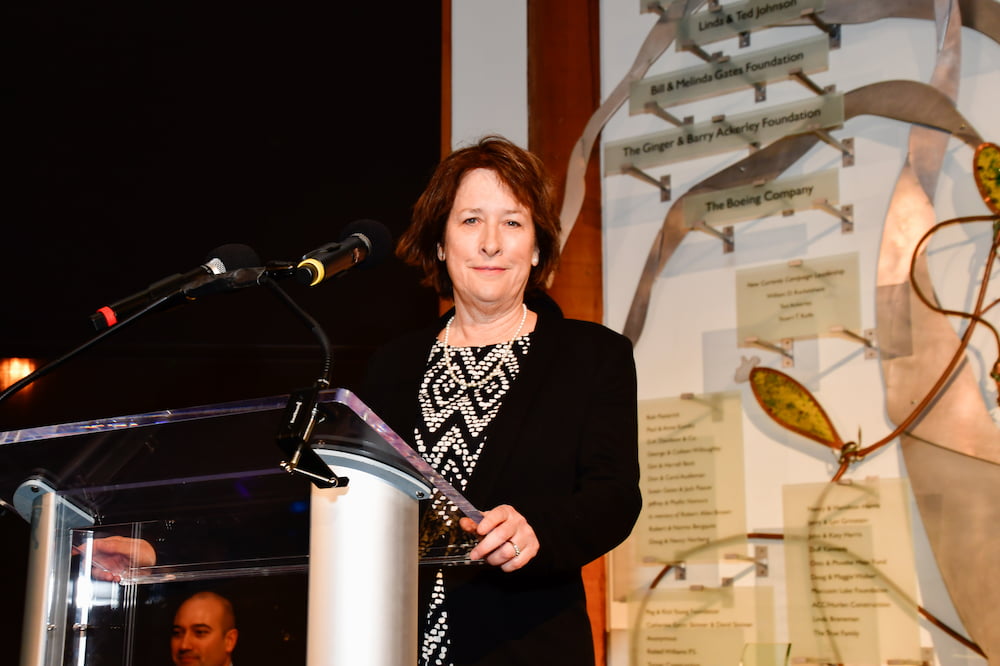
517 551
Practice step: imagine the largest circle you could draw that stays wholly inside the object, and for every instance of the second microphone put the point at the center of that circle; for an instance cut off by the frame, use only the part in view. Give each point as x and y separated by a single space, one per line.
361 243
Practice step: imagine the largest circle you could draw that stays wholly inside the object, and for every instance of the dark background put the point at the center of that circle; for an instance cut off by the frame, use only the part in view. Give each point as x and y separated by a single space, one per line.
141 136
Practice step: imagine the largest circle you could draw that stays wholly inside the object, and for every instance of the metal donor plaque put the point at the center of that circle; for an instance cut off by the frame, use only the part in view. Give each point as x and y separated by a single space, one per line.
752 202
731 19
737 73
719 136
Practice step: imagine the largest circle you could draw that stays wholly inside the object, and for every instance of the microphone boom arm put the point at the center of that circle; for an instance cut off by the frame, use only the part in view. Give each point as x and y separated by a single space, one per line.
303 411
49 367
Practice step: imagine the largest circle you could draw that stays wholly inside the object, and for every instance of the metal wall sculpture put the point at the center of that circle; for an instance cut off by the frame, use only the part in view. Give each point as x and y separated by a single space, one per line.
947 436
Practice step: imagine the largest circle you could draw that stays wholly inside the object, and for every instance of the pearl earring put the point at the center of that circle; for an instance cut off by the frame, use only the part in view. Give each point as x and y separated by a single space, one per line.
534 259
440 252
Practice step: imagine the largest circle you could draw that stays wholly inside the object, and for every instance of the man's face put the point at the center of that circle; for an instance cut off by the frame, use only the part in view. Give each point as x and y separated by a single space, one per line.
200 637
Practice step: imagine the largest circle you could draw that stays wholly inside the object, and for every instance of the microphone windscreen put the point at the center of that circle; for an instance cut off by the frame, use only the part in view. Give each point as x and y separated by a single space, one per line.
377 234
234 256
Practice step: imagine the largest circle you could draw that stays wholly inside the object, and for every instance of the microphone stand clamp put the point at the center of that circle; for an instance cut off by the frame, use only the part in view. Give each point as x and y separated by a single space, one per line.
302 413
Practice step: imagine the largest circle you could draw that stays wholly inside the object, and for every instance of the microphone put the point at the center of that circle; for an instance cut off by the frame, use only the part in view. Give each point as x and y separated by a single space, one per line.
220 260
362 243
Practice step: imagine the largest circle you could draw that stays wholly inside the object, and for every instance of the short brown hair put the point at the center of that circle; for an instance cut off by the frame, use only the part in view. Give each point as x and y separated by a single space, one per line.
520 170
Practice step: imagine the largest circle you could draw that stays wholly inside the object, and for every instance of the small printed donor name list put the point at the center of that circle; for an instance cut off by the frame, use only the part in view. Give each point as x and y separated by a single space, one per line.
691 452
850 571
798 299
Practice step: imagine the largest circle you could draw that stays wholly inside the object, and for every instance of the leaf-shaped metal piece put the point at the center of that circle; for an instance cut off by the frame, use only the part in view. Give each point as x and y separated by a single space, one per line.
792 406
986 168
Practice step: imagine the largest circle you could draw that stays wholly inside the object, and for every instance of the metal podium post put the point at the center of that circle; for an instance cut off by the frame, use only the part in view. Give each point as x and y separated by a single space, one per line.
363 565
51 518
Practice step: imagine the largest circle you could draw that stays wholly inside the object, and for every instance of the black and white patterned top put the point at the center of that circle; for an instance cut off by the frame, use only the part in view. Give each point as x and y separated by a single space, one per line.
450 435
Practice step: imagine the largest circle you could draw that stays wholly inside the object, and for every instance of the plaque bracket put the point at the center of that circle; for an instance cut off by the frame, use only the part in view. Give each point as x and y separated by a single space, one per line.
655 6
726 235
711 58
761 565
804 79
728 581
846 147
845 213
711 404
785 348
831 29
866 337
662 183
660 112
759 92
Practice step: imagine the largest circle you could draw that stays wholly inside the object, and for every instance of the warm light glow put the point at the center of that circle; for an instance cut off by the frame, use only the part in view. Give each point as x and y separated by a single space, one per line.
14 369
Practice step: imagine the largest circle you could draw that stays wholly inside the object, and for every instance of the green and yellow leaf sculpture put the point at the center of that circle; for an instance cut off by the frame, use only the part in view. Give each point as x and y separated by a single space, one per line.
986 163
792 406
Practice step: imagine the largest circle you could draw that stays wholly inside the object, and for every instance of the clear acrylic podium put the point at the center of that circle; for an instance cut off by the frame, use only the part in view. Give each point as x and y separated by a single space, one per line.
317 575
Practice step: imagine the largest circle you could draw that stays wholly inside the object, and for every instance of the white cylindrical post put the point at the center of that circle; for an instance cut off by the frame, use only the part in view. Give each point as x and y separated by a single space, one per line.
363 566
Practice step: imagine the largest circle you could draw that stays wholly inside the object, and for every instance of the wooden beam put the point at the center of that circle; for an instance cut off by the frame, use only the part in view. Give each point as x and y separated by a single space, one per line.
445 78
563 91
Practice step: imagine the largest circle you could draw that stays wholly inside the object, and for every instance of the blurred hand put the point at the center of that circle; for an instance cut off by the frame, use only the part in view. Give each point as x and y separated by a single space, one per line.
112 556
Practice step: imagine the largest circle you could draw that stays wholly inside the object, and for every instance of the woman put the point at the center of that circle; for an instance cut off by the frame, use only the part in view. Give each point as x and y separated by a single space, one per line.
530 415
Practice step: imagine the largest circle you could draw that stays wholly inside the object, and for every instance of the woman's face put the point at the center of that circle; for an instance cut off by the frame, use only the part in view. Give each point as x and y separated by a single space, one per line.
489 243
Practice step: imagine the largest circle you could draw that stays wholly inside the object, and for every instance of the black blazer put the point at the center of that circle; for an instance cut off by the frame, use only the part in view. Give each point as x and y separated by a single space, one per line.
563 451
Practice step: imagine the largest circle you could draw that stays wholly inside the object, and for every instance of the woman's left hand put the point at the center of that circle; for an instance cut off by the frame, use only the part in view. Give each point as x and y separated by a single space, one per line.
507 540
114 555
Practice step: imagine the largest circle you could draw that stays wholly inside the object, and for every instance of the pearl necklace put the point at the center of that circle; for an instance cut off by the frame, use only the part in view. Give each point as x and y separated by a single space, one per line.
504 355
